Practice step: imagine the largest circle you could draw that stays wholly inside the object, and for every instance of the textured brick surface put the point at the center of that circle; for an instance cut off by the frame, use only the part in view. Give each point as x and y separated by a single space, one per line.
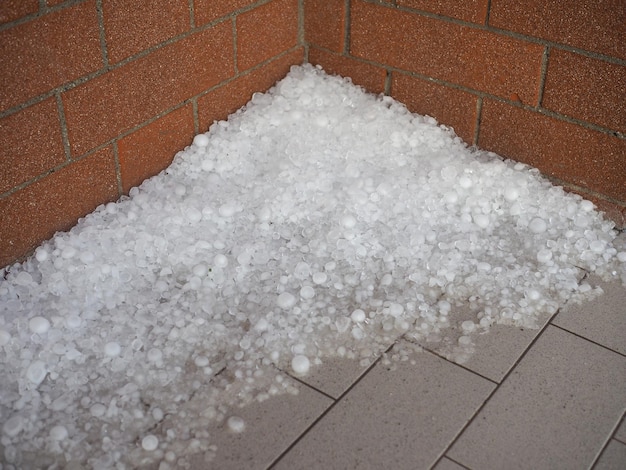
368 76
454 108
598 26
569 152
266 31
463 55
208 10
55 203
218 104
151 149
474 11
31 144
44 53
324 23
134 25
587 89
116 102
11 10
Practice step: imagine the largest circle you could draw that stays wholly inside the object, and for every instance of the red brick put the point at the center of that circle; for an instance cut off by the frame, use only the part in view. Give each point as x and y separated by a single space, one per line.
115 102
474 11
151 149
209 10
598 26
55 203
572 153
452 107
324 23
44 53
55 2
266 31
368 76
134 25
587 89
463 55
31 144
220 103
11 10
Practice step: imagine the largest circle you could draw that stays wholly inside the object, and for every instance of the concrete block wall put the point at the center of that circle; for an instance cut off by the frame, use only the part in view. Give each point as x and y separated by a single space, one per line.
97 95
538 81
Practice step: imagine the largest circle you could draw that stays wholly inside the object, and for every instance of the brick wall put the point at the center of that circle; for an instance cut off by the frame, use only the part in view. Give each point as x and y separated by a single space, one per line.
538 81
97 95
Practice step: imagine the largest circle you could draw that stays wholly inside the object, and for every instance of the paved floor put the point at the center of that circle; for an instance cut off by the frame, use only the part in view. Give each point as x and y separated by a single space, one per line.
552 398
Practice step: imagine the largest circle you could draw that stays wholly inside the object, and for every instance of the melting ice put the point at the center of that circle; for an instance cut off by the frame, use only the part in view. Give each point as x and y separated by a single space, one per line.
317 221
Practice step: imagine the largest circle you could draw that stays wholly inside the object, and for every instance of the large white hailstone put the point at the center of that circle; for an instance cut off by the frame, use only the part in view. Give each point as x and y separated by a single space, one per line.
286 300
300 364
39 325
201 140
537 225
150 442
36 372
58 433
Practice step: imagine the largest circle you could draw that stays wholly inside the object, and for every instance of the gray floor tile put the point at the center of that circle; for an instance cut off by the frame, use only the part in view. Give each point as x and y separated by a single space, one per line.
602 319
400 419
335 375
555 410
270 427
613 457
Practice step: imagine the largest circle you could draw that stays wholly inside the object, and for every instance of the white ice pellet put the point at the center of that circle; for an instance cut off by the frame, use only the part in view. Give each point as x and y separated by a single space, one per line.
5 337
58 433
320 278
300 364
13 426
36 372
358 315
307 292
236 424
537 225
112 348
286 300
39 325
201 140
220 260
150 442
543 256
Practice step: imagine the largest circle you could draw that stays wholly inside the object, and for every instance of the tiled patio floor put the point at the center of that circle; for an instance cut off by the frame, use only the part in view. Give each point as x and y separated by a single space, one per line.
552 398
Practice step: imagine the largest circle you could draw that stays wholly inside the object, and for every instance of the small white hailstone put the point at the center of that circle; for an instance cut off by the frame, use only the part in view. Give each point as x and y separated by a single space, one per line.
154 355
157 414
465 341
621 256
537 225
73 321
533 294
511 193
348 221
307 292
41 254
320 278
597 246
300 364
358 316
201 361
112 349
451 197
39 325
236 424
227 210
58 433
586 205
357 333
286 300
36 372
200 270
68 252
261 325
97 410
201 140
468 326
543 256
207 164
13 426
481 220
220 260
150 442
5 337
87 257
465 182
180 190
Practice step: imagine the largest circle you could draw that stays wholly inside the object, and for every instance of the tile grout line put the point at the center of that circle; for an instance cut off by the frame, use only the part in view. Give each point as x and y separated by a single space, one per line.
610 438
586 339
330 407
493 392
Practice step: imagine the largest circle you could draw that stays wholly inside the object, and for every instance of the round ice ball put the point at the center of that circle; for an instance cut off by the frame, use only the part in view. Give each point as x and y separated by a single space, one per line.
482 220
358 316
511 193
13 425
348 221
112 349
543 256
201 140
320 278
220 260
97 410
39 325
236 424
307 292
300 364
58 433
41 254
5 337
537 225
150 442
286 300
36 372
